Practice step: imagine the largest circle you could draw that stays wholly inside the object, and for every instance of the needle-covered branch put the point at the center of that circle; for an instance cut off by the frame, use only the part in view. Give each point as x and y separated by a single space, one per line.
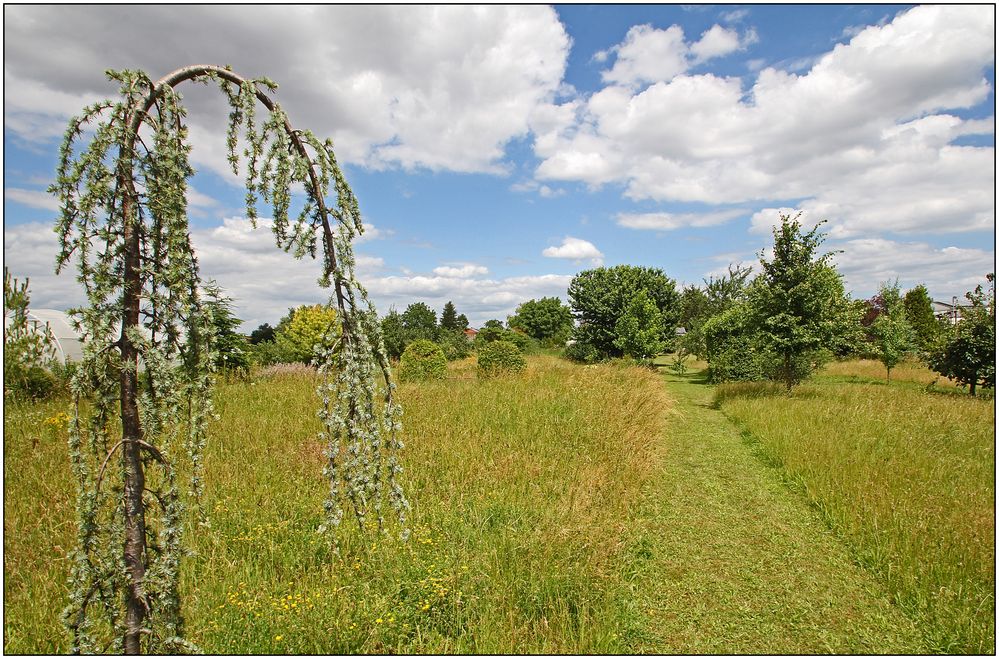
122 188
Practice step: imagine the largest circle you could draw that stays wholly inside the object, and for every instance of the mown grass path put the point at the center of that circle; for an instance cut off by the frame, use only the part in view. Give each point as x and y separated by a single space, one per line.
731 560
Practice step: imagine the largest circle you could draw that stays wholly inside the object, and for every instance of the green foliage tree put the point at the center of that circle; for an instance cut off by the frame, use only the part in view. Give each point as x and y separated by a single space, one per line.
28 349
799 302
262 334
694 307
310 332
232 353
498 324
697 305
394 334
919 313
640 330
733 346
450 333
727 290
421 361
124 219
599 298
420 322
893 337
454 343
500 358
492 333
449 317
547 320
967 353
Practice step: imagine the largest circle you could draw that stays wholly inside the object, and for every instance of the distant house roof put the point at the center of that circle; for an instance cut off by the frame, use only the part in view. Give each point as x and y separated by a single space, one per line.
471 331
948 310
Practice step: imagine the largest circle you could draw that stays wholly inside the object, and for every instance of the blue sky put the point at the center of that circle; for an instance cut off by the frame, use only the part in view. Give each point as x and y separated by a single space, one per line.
496 151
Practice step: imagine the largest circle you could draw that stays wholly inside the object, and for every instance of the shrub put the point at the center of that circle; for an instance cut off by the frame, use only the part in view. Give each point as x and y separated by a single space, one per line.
499 358
582 352
455 344
523 342
491 333
266 353
308 331
422 360
733 347
36 383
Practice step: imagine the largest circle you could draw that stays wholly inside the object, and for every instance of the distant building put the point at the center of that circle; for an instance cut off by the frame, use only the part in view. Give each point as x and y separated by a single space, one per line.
471 333
68 344
951 312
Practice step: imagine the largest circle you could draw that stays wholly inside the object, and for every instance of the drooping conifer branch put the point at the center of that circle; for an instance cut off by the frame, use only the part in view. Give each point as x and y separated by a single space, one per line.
124 219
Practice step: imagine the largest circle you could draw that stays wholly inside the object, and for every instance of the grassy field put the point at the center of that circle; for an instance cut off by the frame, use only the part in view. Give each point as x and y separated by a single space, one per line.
522 491
904 473
575 510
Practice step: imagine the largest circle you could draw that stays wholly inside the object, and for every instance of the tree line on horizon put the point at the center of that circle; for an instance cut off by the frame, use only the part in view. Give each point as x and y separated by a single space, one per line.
781 324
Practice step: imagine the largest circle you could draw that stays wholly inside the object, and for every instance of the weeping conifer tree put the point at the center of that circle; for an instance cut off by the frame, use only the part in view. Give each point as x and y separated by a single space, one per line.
142 394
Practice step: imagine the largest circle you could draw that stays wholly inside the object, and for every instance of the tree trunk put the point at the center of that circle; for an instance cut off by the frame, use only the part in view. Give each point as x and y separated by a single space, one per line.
135 514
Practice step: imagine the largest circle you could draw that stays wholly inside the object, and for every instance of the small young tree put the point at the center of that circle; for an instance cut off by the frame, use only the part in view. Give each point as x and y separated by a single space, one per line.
893 337
640 330
420 322
734 347
27 350
231 350
968 354
797 300
123 218
919 313
449 317
309 332
499 358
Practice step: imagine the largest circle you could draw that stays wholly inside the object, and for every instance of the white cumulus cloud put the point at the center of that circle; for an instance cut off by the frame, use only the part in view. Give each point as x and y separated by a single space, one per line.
671 221
865 137
440 87
575 249
462 270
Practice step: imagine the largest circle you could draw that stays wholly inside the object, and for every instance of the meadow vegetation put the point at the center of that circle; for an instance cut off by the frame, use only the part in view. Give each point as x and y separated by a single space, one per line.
905 474
570 509
523 490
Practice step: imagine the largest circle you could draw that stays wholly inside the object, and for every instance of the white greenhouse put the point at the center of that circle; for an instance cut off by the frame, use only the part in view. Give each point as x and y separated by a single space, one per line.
68 345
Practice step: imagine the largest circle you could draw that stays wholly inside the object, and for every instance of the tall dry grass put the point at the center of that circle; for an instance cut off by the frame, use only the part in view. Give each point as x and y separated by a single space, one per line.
522 488
906 476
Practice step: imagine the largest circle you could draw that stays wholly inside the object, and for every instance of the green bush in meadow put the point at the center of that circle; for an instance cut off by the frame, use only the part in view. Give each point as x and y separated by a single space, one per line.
422 360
